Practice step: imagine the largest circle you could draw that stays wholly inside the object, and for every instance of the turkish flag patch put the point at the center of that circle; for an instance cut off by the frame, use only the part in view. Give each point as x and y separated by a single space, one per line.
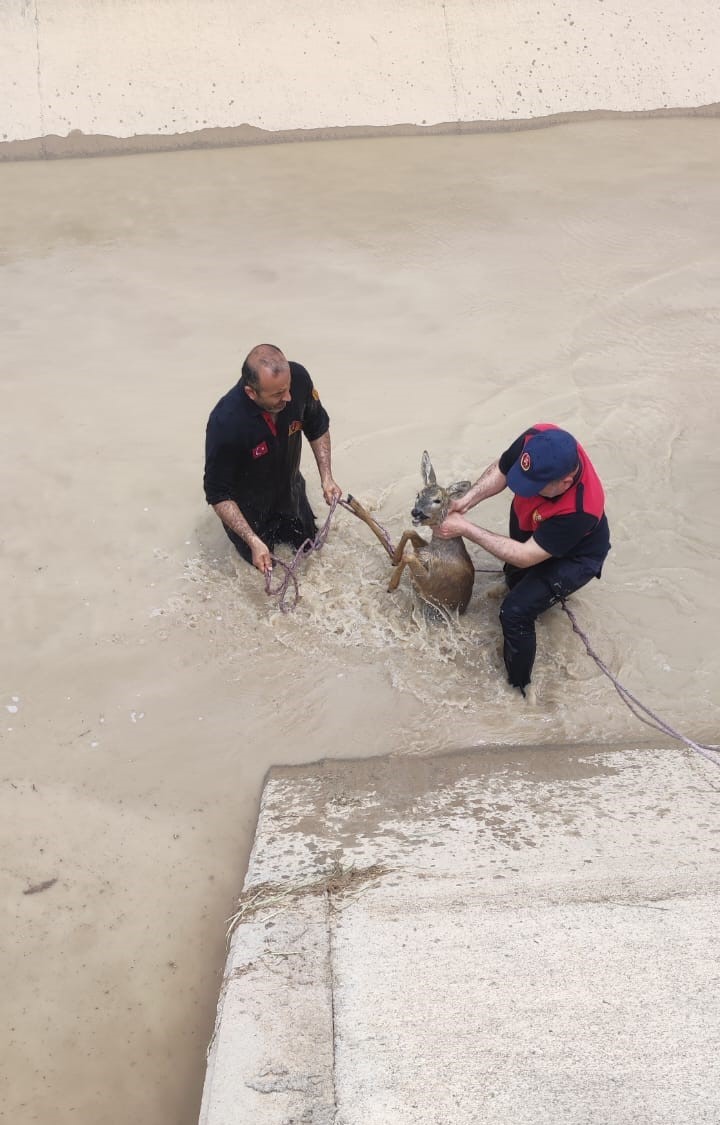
260 450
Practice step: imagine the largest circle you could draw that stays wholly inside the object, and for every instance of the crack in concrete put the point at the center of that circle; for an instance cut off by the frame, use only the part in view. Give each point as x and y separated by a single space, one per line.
36 21
331 973
451 67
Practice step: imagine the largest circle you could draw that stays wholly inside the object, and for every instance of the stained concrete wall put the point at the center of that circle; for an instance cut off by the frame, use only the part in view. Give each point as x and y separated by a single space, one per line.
144 73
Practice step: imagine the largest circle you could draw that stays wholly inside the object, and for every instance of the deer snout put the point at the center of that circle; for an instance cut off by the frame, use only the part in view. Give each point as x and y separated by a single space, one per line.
418 515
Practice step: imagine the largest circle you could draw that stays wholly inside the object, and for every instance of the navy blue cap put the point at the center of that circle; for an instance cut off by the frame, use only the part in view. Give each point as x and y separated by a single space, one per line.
547 456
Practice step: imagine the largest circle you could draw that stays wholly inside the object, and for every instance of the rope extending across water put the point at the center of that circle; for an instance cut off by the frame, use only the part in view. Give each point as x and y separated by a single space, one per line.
288 587
641 712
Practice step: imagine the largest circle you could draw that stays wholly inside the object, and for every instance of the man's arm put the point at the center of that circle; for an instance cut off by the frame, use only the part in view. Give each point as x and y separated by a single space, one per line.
321 450
221 452
501 546
488 484
233 518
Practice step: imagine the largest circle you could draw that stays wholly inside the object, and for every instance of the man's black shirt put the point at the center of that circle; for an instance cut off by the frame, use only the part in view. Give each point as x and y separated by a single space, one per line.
248 463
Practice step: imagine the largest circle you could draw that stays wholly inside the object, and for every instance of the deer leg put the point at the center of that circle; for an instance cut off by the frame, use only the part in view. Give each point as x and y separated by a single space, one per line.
396 575
362 514
419 572
406 537
417 568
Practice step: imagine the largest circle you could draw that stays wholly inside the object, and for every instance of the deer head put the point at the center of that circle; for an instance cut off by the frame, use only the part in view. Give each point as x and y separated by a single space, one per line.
432 502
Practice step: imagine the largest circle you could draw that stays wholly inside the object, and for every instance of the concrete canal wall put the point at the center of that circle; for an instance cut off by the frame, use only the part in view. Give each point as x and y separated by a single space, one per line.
132 75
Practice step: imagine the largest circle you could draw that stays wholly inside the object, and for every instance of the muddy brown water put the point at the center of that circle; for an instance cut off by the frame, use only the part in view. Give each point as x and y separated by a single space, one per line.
444 292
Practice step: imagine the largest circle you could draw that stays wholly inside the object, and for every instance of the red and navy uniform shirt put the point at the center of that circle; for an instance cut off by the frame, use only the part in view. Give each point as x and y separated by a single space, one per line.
573 525
253 458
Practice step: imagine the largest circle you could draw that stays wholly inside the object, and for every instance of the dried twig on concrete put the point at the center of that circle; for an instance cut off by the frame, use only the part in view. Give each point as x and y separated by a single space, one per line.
337 881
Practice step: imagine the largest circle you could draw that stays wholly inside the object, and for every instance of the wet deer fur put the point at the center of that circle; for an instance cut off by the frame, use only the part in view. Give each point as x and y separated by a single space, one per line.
441 569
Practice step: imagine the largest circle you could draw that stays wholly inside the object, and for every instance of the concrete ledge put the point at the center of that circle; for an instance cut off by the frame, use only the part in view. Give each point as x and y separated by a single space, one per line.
78 144
497 937
276 1005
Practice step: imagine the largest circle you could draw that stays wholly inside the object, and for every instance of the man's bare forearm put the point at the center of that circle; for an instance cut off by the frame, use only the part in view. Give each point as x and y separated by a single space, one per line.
488 484
233 518
321 450
502 547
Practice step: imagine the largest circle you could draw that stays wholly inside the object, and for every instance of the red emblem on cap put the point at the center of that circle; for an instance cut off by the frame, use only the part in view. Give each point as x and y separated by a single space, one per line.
525 462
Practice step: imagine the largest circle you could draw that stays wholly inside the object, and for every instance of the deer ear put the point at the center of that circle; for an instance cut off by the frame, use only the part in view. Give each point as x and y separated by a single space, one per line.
458 489
428 473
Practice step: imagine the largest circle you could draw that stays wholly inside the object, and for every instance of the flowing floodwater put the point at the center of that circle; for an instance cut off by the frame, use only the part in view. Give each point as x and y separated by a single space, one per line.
444 292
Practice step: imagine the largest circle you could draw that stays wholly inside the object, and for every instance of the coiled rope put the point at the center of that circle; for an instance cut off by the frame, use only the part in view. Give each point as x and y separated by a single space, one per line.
288 585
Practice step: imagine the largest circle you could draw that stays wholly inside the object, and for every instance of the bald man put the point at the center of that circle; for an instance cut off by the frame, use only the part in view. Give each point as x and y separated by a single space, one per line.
252 456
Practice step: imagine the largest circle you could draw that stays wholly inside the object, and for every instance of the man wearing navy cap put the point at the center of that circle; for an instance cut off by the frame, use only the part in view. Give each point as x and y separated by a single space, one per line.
559 535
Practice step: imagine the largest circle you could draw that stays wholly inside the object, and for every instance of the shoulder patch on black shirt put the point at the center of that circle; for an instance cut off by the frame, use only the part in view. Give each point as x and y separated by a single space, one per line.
294 427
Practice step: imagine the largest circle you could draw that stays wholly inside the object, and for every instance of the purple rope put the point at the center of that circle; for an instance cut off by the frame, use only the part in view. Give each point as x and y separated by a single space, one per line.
306 548
712 753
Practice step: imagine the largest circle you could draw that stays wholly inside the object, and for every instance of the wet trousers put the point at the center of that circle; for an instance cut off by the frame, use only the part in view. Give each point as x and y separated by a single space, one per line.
533 590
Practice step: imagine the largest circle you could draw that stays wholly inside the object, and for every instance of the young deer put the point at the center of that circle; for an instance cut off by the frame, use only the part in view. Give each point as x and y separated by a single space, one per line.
442 570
